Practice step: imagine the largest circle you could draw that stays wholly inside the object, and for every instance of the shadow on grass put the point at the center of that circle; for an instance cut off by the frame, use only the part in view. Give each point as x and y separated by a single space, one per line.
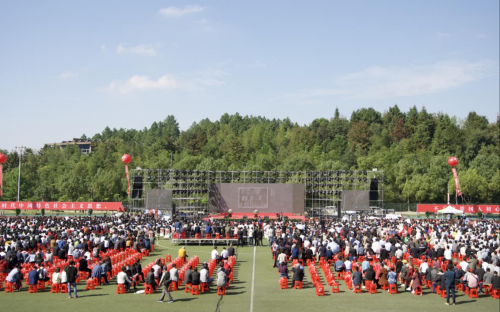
92 295
185 299
464 302
231 293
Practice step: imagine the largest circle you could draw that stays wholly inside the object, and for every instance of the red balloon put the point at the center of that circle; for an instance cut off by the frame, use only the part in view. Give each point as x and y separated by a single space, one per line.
126 159
452 161
3 158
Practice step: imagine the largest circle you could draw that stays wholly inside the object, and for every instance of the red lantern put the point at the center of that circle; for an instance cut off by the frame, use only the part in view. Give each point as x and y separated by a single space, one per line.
452 161
3 158
126 159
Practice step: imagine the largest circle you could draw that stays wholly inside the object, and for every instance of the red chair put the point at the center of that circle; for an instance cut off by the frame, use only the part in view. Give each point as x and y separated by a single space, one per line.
495 293
173 286
283 283
340 275
373 288
385 287
418 291
357 289
9 287
63 288
320 290
204 287
195 290
168 258
221 291
487 290
54 289
41 285
90 284
393 289
473 293
120 289
187 287
197 236
148 289
33 289
335 288
298 285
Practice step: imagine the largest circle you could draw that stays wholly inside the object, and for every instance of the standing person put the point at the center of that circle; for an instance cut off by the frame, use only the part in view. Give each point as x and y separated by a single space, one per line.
230 250
449 277
240 238
164 283
71 275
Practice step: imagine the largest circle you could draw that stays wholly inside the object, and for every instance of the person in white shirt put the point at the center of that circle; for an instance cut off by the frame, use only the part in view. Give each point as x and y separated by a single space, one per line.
465 265
56 276
215 254
64 277
174 273
123 279
447 253
224 254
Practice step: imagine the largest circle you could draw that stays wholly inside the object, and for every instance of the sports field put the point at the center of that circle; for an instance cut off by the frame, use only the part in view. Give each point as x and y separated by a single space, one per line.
251 291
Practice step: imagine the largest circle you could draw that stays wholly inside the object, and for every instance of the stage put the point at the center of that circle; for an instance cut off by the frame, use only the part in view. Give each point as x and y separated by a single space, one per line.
239 215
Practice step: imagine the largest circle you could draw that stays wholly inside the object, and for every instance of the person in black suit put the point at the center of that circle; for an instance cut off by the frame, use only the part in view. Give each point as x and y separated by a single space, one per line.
298 273
230 250
84 266
195 277
240 237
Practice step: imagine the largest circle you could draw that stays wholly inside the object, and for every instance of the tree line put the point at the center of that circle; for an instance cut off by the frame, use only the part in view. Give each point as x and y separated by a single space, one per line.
411 148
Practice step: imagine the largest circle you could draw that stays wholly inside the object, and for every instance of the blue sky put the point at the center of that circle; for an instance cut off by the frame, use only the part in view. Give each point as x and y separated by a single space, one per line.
69 68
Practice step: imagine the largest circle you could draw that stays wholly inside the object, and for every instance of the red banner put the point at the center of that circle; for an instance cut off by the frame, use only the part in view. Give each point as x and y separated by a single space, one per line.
1 183
104 206
457 184
128 181
484 208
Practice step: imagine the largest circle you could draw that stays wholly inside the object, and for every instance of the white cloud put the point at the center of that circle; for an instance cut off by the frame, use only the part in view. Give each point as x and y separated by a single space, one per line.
73 74
166 82
177 12
103 47
379 82
137 82
443 35
140 49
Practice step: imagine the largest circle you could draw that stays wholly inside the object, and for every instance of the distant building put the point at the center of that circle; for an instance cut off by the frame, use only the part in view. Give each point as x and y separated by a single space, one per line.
85 145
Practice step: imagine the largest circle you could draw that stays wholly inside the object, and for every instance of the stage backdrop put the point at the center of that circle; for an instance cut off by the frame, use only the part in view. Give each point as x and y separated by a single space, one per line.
246 197
355 200
159 199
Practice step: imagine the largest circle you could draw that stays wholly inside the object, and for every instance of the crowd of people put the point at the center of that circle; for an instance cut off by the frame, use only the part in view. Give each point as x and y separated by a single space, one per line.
462 252
469 247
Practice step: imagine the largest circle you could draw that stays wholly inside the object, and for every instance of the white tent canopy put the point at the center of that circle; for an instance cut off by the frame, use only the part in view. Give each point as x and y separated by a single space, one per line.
450 210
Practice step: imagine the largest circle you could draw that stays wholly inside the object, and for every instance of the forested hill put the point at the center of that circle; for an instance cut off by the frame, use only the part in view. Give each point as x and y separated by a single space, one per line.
411 147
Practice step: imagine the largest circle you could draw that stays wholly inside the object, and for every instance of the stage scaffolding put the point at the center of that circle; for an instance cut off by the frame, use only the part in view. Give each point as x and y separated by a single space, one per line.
190 188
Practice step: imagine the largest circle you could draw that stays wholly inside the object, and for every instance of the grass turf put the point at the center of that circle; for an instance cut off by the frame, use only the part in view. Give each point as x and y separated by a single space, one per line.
267 295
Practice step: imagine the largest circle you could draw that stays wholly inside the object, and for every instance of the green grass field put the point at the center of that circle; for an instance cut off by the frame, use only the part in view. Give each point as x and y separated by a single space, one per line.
266 297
